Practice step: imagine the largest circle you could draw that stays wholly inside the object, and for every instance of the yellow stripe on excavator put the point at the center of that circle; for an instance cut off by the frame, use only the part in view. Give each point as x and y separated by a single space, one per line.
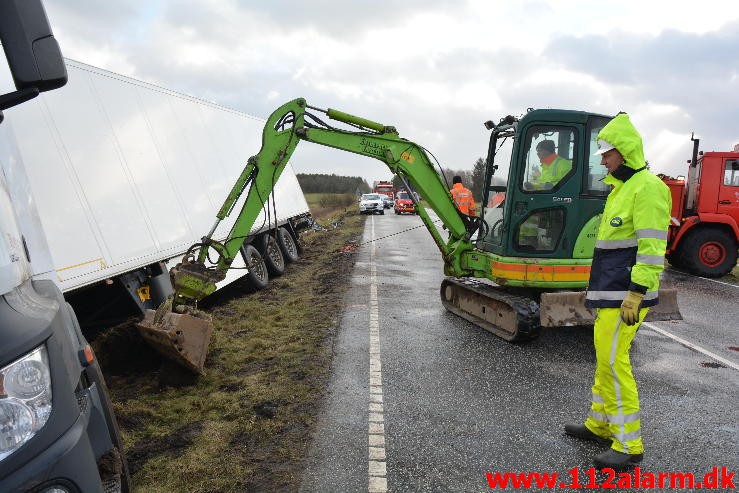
540 272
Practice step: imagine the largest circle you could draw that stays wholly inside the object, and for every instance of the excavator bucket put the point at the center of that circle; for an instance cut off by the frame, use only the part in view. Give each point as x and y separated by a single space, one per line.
568 308
181 337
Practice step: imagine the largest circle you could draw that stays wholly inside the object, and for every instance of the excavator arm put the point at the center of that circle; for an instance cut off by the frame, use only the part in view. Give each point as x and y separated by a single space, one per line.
284 129
181 332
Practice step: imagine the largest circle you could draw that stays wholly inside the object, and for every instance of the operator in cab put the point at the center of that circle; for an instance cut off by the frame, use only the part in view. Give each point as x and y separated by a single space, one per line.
624 281
553 167
462 196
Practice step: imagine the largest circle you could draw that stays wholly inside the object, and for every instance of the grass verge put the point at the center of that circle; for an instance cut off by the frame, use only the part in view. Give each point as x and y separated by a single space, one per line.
246 424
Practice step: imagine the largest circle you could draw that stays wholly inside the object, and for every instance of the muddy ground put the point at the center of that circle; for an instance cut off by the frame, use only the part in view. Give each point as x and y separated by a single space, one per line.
246 424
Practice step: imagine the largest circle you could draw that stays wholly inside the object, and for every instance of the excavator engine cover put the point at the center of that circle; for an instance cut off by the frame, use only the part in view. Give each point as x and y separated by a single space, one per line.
180 337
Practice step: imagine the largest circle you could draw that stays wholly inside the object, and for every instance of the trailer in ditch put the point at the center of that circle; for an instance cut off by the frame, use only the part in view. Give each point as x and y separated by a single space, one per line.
121 177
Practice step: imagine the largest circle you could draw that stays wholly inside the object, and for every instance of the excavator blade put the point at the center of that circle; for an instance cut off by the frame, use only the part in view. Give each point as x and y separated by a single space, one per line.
509 316
181 337
568 308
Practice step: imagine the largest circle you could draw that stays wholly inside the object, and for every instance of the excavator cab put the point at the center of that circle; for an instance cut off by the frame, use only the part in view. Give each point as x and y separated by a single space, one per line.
554 191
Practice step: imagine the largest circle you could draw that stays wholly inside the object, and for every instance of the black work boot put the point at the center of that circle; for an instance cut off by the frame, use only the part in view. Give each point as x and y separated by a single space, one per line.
617 460
582 431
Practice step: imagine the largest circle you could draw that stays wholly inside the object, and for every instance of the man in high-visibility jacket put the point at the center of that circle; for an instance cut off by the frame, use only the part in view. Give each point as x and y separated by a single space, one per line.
462 196
624 280
553 167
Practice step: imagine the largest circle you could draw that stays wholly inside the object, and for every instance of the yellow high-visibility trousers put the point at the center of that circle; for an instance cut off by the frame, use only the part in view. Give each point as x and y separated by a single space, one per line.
614 412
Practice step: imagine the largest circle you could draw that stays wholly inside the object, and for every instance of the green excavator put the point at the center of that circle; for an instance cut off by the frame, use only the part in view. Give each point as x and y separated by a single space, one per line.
521 265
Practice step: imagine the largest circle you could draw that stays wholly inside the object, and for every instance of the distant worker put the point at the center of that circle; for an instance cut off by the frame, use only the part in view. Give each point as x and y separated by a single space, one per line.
624 280
553 167
462 196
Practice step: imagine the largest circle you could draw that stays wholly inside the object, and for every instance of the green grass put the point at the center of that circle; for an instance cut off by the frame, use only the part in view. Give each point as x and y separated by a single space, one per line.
270 351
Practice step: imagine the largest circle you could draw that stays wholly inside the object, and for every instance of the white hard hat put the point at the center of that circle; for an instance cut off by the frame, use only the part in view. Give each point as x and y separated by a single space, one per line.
603 147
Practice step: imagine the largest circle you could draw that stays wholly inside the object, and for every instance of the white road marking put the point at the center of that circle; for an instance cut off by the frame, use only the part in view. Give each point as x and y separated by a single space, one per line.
376 428
692 346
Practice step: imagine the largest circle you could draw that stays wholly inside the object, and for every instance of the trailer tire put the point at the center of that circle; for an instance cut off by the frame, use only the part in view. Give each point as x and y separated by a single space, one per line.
288 245
257 277
272 254
708 252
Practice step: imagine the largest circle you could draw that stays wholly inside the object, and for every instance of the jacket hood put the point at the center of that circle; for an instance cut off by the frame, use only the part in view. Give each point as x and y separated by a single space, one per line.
622 134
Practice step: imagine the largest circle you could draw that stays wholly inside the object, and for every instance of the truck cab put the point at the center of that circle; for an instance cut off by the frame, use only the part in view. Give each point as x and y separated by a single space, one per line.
57 428
704 231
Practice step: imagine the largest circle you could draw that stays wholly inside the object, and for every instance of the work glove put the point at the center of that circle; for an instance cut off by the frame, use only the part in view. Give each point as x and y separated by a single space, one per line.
630 307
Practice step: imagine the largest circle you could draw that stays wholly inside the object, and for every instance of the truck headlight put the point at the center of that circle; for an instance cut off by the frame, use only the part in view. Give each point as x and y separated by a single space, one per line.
25 399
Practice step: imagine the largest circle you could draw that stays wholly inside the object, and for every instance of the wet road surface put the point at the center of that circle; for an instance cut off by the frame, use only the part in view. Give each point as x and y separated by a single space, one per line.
422 400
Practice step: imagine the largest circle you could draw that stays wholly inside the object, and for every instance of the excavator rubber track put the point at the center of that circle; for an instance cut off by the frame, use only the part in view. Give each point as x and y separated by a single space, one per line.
510 316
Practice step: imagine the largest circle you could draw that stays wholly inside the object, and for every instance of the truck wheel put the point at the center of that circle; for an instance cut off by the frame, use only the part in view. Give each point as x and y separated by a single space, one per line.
288 245
271 253
675 260
382 212
709 252
257 277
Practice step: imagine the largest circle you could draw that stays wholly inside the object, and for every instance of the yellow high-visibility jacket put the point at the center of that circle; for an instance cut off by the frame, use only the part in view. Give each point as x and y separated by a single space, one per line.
632 237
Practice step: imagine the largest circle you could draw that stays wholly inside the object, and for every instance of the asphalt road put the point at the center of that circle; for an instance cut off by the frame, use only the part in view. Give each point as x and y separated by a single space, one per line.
422 400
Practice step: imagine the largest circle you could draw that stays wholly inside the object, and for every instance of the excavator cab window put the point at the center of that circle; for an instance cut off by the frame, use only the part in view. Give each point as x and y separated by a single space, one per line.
541 231
549 157
593 184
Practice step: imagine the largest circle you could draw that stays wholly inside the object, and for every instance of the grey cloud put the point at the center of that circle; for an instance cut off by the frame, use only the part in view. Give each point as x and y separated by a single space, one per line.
697 73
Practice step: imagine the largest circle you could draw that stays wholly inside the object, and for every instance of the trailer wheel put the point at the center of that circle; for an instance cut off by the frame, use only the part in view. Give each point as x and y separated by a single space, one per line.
272 255
288 245
257 277
709 252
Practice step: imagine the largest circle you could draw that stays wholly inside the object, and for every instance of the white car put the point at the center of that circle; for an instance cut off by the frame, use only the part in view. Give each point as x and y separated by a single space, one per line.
371 203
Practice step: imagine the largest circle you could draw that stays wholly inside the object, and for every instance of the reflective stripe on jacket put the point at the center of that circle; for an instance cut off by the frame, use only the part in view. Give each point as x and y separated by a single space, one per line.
463 199
632 237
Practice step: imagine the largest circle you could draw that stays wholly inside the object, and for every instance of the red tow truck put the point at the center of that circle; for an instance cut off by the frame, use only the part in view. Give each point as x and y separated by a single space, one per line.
704 231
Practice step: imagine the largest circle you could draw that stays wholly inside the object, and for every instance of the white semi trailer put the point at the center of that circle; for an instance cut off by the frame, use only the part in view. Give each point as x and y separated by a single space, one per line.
120 177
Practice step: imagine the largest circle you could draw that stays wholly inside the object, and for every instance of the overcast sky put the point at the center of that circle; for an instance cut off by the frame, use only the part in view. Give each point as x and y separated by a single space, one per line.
435 69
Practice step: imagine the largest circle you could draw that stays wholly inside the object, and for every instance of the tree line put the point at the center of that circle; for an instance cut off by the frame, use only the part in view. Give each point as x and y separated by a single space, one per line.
322 183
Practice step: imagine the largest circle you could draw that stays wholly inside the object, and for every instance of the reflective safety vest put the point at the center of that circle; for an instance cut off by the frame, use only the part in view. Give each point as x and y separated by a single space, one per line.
632 237
554 172
463 199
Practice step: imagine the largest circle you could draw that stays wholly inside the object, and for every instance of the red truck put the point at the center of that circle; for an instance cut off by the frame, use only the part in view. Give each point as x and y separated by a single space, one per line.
704 232
387 189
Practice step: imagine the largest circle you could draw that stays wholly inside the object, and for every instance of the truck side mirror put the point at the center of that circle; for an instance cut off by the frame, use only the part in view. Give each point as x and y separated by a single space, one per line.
33 54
